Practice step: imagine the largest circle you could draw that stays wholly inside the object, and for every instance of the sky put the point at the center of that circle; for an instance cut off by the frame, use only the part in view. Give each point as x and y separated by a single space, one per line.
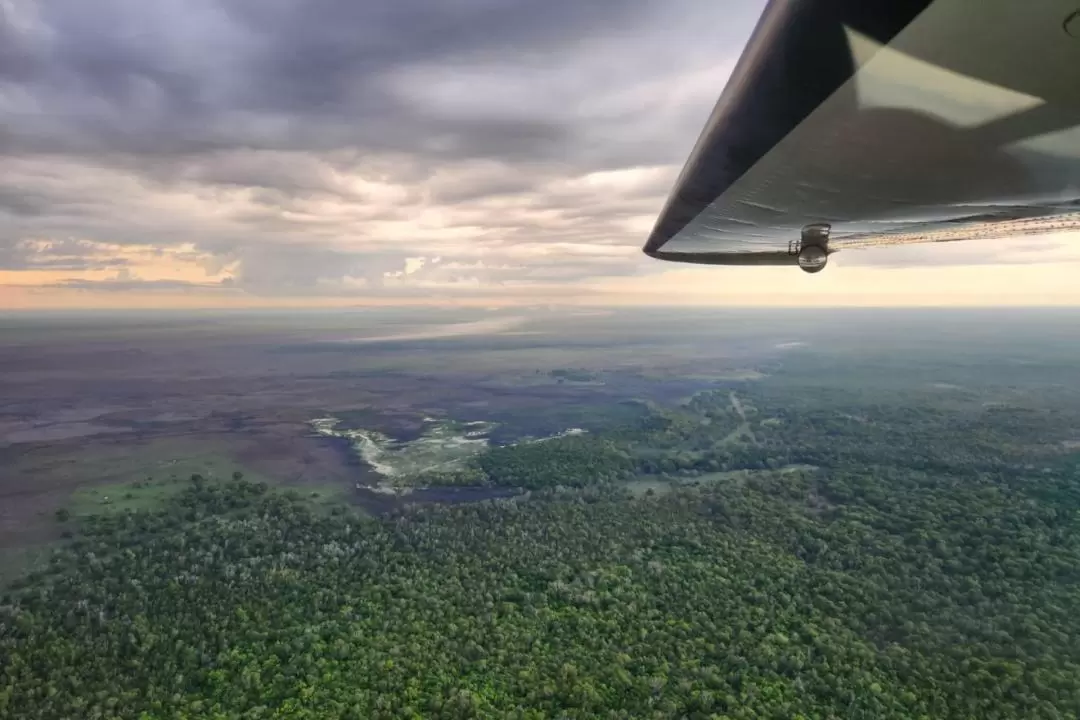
247 153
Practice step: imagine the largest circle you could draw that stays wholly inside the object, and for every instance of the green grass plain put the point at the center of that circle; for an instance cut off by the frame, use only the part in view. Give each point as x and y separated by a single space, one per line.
111 479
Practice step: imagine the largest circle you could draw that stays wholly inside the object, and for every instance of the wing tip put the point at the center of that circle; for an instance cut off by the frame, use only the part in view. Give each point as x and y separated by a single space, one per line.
656 239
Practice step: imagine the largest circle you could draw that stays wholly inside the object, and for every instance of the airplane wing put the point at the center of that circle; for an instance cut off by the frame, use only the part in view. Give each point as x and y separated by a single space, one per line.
861 123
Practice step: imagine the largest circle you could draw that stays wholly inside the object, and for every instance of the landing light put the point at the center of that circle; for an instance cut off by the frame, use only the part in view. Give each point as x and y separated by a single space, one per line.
813 258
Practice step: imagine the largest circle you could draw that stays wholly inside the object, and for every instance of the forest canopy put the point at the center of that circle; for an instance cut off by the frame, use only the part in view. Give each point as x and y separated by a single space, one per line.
756 551
789 595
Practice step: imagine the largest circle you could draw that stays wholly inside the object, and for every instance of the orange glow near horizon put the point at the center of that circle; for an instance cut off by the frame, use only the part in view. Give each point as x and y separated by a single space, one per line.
1030 272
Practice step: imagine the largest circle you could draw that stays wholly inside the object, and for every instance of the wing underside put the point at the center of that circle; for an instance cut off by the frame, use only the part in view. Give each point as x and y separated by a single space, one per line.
913 121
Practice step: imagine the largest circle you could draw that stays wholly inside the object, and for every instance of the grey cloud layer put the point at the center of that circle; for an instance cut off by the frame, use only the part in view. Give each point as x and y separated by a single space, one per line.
175 76
296 141
56 255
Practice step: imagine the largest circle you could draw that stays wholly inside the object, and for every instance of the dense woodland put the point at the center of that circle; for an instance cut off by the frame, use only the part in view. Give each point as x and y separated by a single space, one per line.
754 428
870 560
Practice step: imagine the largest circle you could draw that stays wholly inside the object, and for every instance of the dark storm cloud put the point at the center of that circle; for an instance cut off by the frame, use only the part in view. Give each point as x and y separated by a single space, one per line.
169 77
172 77
311 52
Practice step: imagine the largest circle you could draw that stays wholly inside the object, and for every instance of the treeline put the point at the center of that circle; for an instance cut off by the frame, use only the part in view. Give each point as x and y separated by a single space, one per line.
572 461
716 431
793 595
683 441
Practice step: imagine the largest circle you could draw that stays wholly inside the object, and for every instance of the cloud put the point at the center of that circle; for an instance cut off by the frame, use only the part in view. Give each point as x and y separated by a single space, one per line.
66 254
380 149
452 79
277 149
134 285
1050 248
327 146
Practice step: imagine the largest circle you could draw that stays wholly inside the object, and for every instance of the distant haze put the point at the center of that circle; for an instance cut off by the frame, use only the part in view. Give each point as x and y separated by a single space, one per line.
433 332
